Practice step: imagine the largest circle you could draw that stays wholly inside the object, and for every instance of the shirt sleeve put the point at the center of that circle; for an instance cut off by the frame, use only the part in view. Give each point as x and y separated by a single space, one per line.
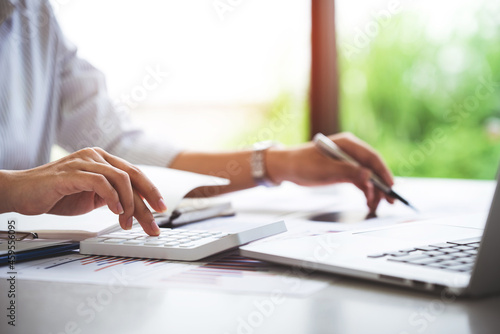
87 116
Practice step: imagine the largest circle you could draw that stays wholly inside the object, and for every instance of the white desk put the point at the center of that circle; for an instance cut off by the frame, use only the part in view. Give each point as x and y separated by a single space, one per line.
344 306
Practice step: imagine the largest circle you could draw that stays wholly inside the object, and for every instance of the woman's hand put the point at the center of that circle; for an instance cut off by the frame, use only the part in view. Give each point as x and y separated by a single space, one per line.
81 182
307 166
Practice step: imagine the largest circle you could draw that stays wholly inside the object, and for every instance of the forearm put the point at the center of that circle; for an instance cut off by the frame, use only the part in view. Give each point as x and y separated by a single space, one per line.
15 193
304 165
5 191
234 166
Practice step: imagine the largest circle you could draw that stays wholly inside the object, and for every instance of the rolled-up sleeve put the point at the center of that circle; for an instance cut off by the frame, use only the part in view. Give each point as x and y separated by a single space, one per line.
87 116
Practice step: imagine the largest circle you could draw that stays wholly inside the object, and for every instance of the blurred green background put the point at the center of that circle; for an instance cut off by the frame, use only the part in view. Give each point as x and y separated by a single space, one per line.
423 89
426 96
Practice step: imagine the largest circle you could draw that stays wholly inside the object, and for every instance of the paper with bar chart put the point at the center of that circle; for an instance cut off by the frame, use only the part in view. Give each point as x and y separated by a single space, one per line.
229 272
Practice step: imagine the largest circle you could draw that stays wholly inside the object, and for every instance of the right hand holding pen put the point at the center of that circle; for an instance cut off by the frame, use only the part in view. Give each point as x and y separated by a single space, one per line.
81 182
306 165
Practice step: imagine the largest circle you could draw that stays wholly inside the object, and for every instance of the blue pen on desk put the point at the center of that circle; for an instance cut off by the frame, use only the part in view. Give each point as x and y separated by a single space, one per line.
330 149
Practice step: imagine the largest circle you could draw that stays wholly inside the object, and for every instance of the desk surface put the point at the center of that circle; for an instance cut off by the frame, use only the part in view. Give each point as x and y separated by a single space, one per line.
345 306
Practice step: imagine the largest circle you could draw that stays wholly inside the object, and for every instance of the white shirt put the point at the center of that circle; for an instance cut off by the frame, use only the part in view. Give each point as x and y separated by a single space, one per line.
48 95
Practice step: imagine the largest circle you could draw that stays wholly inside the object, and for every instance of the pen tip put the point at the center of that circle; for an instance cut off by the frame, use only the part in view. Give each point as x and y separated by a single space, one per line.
414 208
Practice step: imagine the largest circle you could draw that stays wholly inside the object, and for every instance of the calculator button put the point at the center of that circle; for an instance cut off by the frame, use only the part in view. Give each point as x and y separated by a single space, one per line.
133 242
168 239
171 244
113 241
154 243
115 236
177 237
188 244
188 234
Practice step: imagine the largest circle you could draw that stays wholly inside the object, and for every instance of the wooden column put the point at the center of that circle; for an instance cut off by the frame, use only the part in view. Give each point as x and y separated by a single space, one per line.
324 89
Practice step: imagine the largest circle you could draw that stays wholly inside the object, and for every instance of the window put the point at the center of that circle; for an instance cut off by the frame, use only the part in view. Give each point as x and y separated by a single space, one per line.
233 66
420 81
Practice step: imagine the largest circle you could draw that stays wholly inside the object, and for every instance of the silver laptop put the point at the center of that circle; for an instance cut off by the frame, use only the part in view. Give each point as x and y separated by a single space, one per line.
432 255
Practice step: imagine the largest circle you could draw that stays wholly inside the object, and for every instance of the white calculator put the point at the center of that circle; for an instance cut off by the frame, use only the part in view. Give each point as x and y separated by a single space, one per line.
175 244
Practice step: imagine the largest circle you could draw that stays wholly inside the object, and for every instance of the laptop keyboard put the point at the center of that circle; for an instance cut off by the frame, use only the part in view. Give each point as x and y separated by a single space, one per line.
458 255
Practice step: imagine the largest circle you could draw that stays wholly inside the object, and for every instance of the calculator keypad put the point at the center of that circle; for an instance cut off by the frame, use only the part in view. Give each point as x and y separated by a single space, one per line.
167 238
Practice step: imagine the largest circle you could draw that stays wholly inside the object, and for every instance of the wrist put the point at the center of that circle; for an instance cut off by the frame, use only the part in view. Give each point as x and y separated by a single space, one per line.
278 164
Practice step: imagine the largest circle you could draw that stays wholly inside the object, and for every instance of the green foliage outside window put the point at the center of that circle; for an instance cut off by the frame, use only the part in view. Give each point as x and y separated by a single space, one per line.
429 105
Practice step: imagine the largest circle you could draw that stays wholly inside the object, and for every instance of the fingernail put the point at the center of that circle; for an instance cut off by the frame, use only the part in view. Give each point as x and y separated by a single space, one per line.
130 221
119 208
155 227
162 205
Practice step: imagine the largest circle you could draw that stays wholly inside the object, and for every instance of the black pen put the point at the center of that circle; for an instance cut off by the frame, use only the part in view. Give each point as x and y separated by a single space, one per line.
330 149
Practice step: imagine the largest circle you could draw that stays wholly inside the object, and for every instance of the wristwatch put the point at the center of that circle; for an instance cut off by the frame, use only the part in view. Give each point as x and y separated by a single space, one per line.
258 163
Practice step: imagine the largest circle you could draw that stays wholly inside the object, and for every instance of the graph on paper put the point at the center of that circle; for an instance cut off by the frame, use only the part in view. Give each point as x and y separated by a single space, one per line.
228 272
99 263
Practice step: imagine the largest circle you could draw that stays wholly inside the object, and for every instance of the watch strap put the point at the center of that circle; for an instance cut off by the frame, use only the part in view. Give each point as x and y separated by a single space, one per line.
258 164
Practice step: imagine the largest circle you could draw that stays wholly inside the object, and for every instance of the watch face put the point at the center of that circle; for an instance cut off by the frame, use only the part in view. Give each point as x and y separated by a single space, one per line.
258 168
258 164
